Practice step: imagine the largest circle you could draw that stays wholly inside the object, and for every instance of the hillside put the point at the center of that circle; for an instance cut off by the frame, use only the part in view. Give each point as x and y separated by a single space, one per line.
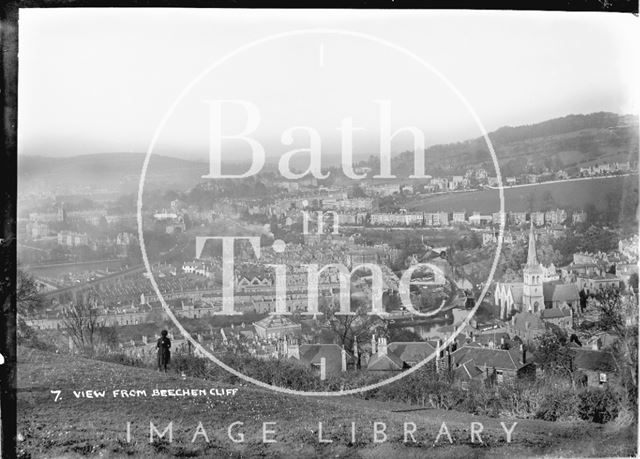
114 171
559 143
605 193
81 426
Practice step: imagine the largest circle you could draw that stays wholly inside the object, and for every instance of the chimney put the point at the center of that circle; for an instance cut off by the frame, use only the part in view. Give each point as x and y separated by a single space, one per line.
294 350
382 346
145 339
523 351
440 350
344 359
594 344
373 344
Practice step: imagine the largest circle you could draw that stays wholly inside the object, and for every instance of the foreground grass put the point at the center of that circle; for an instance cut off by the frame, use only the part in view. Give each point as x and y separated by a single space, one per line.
74 427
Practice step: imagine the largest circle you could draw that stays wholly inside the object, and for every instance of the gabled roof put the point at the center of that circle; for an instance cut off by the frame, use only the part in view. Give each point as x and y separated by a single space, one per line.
332 353
527 321
493 358
467 371
555 313
386 362
516 289
411 352
558 292
587 359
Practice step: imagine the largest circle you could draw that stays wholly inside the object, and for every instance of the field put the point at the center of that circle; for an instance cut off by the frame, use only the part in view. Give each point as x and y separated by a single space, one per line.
574 194
74 427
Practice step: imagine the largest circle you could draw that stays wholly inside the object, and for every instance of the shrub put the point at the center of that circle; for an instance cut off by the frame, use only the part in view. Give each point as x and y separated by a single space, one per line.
597 405
190 365
558 405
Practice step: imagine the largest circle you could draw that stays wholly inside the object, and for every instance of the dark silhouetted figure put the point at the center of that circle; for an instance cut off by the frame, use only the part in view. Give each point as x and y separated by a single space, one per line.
574 339
583 300
164 355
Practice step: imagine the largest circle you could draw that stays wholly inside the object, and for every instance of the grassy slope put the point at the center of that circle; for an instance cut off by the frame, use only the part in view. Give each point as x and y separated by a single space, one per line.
73 427
575 194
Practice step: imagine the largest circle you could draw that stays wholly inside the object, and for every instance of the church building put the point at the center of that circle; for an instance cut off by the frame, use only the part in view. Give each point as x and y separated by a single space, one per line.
540 290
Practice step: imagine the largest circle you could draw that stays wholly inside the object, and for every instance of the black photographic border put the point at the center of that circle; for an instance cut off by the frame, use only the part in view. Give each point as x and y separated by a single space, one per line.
9 67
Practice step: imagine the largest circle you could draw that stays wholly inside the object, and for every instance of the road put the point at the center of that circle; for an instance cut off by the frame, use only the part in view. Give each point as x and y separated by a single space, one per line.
560 181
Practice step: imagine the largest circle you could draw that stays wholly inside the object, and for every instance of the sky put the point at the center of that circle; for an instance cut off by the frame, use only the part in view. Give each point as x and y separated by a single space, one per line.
102 80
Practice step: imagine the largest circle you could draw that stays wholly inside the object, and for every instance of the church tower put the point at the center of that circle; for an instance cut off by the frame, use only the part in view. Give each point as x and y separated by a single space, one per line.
61 214
532 295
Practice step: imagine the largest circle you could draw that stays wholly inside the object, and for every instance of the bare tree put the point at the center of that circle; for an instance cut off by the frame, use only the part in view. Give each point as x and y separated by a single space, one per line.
82 322
28 298
614 306
28 302
357 327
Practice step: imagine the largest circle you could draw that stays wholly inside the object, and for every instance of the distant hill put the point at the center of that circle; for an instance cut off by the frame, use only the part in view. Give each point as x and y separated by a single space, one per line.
112 171
558 143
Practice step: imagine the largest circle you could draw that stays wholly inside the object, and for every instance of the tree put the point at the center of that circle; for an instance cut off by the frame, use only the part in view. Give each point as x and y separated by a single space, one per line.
27 297
403 335
357 327
633 282
613 307
548 202
610 304
554 355
28 301
357 191
81 321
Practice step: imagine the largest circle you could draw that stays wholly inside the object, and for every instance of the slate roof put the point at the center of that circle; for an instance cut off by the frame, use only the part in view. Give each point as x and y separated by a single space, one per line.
588 359
312 353
558 292
555 313
386 362
493 358
467 372
527 321
411 352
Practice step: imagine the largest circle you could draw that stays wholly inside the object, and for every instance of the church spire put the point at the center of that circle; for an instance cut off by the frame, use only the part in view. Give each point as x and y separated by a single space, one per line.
532 259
